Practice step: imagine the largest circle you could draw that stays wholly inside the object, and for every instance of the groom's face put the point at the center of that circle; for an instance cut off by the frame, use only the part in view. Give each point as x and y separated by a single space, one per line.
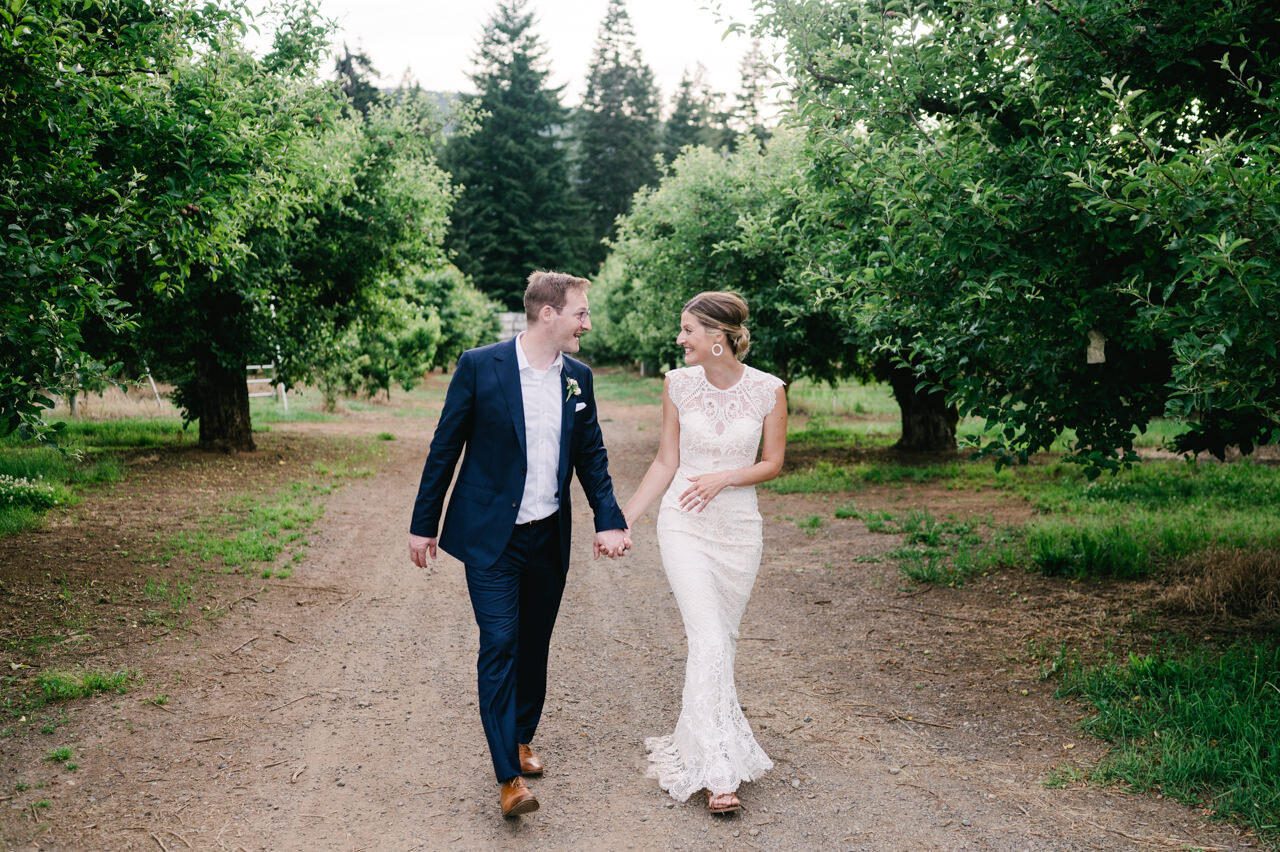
571 321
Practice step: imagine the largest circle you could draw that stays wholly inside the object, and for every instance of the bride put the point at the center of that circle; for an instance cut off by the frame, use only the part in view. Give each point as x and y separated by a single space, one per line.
709 535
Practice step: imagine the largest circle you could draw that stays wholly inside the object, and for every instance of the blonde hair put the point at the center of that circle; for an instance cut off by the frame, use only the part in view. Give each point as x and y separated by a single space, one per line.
725 311
549 288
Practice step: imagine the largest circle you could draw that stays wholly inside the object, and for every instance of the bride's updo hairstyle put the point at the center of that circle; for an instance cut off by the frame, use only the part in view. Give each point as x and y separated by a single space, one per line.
725 311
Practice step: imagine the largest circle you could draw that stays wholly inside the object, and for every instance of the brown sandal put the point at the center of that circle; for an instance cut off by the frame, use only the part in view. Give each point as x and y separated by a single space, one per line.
723 803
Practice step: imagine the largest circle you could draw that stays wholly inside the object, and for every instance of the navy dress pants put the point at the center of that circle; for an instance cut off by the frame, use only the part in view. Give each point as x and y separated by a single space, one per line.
515 602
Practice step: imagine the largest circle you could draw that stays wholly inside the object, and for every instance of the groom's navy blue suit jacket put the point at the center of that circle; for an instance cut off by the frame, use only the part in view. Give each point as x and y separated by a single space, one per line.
483 423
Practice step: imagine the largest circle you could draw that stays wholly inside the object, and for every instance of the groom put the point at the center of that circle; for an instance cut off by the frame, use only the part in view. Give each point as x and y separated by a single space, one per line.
525 415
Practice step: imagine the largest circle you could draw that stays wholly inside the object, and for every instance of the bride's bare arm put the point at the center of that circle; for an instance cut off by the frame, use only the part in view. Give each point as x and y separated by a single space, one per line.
664 465
703 488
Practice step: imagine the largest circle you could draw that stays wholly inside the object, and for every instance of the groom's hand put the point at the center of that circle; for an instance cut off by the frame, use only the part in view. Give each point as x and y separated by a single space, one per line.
611 543
420 548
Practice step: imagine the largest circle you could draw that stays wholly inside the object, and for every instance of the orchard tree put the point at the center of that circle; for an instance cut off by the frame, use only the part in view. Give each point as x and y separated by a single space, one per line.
1063 215
617 128
724 222
176 202
324 207
395 343
468 317
81 84
516 211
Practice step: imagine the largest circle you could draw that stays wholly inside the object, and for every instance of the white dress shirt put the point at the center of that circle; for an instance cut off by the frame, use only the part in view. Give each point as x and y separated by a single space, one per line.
543 396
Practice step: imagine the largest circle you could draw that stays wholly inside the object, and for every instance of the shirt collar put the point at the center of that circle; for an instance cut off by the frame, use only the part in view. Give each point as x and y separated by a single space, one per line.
522 361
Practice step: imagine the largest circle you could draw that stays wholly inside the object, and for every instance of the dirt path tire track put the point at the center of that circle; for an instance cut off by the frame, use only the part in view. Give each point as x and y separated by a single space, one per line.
337 711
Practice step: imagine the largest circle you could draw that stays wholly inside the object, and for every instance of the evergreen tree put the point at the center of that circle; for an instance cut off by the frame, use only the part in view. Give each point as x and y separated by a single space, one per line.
617 128
353 71
696 117
516 211
755 76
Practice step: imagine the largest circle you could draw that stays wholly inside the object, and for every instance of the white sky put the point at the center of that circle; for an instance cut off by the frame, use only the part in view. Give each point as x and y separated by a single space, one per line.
436 39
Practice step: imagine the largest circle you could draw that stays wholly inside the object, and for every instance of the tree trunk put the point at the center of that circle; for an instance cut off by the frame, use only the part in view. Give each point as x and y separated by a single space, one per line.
928 423
224 407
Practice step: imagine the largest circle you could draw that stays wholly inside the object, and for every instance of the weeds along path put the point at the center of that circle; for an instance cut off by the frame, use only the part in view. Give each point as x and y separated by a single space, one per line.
337 711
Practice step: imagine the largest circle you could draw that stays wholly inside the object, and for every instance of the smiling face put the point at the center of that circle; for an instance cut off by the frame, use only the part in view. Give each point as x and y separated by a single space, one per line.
571 321
697 339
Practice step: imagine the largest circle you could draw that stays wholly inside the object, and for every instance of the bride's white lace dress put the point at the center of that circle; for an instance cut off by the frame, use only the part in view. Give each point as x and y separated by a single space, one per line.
711 559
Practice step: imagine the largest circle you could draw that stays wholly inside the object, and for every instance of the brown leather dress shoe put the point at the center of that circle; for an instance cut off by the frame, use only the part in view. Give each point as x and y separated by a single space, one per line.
516 798
530 763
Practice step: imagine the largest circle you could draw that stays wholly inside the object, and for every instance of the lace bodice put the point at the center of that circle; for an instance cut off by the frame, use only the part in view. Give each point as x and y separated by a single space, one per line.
720 429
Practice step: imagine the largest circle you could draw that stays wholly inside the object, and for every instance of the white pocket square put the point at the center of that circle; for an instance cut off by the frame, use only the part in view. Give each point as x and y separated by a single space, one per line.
579 407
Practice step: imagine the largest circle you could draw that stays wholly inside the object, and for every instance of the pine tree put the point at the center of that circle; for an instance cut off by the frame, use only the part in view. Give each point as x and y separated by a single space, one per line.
516 211
617 128
353 71
686 118
696 117
755 74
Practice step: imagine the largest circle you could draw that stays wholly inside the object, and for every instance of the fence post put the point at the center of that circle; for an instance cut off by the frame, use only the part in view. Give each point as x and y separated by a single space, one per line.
278 391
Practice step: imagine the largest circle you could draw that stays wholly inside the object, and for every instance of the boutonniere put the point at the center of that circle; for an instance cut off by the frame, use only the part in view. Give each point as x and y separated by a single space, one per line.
571 389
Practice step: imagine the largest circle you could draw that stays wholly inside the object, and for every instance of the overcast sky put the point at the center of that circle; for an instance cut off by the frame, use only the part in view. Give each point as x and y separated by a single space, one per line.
436 39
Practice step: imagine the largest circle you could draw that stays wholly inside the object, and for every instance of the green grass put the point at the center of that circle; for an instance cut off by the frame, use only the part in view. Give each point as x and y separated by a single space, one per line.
59 755
1196 724
811 524
344 469
871 413
55 685
825 477
1136 521
818 435
942 552
63 686
127 434
89 458
303 408
914 474
628 388
250 529
849 400
1128 524
176 594
81 434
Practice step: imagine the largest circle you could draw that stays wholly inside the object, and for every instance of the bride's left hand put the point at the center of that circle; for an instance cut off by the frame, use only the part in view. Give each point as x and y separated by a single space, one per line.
702 490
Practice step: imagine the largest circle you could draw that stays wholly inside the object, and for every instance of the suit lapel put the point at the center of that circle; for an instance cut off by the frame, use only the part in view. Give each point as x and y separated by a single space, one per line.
508 369
567 406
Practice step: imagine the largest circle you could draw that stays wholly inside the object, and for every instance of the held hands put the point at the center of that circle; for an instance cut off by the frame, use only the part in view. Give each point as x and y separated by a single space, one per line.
612 543
703 489
422 548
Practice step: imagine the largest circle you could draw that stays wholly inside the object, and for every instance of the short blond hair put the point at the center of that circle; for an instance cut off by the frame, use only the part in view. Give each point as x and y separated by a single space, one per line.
725 311
550 288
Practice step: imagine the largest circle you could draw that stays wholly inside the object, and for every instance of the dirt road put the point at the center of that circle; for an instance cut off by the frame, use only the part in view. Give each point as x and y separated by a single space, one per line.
337 711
